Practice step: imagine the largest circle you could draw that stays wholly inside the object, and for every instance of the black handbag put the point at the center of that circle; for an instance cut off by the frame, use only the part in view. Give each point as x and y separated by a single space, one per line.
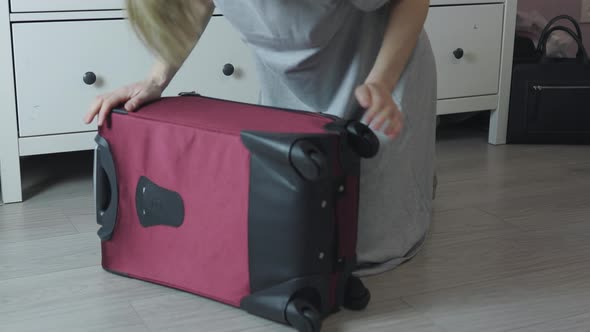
550 97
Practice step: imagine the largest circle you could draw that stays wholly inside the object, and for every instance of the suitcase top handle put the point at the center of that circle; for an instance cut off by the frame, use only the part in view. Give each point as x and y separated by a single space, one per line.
582 54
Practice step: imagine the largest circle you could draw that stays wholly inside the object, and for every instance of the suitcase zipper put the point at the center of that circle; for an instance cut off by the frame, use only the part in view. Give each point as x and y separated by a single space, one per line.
549 87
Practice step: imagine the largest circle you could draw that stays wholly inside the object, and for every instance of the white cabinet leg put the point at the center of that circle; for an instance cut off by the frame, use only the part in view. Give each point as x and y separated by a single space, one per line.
10 179
499 117
498 126
9 153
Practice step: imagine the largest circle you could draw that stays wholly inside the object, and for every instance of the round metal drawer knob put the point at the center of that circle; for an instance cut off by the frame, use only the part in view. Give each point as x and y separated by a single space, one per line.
459 53
89 78
228 69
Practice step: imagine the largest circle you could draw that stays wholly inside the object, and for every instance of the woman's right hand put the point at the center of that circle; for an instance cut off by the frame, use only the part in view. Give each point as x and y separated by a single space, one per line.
132 97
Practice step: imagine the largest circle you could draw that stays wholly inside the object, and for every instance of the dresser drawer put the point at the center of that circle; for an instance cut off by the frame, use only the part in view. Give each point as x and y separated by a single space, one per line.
467 45
19 6
203 71
51 59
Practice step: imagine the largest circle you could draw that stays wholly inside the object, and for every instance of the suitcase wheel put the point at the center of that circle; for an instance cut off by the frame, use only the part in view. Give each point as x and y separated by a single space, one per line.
357 296
362 139
303 316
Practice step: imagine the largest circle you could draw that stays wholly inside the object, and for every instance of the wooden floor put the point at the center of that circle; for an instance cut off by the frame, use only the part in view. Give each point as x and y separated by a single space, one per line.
509 250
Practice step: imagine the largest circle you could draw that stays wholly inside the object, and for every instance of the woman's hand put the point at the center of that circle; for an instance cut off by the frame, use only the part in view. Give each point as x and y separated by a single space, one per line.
132 97
380 108
406 22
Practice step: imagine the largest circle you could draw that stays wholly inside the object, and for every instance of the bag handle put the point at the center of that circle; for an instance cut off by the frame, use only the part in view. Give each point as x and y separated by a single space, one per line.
563 17
582 54
545 34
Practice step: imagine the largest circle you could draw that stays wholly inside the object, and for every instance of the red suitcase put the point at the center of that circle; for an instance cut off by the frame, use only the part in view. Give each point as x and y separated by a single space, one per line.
251 206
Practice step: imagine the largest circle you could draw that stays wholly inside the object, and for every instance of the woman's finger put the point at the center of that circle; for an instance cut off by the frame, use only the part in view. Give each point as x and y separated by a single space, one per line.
376 104
388 114
396 127
135 102
380 120
94 108
131 105
363 96
108 105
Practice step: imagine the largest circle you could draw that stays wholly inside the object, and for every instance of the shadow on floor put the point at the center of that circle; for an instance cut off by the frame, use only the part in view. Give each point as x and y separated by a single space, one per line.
465 125
44 172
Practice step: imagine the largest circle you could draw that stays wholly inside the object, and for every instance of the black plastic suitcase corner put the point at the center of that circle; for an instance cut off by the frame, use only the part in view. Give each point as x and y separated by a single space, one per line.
358 136
292 233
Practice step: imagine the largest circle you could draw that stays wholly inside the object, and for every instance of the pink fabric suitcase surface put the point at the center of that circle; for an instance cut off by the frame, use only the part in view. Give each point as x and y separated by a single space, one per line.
251 206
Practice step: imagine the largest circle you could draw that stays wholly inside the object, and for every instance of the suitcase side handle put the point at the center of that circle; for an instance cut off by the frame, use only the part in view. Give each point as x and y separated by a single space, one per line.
106 191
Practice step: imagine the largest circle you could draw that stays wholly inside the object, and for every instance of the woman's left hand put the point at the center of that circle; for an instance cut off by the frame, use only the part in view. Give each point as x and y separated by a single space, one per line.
380 108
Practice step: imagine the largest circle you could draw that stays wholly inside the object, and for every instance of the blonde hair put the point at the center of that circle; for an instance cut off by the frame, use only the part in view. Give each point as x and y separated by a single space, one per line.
170 28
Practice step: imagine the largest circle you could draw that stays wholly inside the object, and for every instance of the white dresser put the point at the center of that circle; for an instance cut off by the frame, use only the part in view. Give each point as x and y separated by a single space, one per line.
57 55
